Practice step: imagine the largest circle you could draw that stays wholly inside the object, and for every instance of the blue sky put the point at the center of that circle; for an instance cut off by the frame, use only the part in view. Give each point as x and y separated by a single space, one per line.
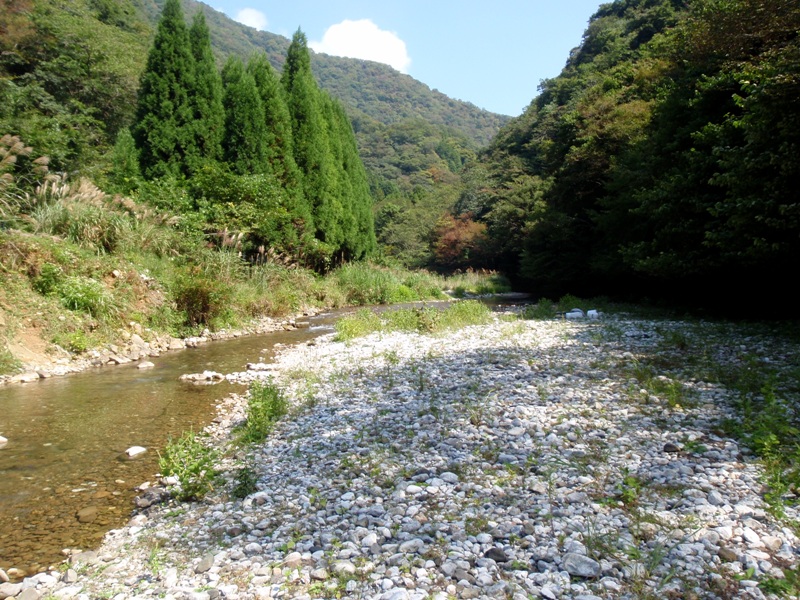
492 53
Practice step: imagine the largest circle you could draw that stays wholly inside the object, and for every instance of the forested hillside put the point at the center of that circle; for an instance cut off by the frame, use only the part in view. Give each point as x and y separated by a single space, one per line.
662 162
69 75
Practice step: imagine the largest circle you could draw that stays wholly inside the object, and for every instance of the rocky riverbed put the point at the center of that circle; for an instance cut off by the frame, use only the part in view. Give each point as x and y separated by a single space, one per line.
521 459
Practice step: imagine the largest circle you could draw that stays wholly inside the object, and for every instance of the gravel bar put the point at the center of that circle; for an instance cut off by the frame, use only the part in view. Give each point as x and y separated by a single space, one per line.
519 459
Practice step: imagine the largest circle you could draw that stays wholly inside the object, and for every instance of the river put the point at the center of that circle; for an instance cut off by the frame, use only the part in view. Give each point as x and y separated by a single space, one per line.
68 436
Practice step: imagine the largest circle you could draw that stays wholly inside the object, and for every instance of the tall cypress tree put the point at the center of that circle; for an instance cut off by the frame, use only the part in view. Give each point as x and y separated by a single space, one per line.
276 117
209 115
245 140
310 136
163 128
280 148
358 223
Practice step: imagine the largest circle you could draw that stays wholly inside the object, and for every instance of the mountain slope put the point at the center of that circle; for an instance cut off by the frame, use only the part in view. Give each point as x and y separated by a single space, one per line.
372 88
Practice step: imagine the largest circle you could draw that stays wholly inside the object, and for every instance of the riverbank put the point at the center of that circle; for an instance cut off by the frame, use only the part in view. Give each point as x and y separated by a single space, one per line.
519 459
132 347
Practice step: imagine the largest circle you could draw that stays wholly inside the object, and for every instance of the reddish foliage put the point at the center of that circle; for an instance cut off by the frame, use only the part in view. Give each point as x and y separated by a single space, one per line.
458 242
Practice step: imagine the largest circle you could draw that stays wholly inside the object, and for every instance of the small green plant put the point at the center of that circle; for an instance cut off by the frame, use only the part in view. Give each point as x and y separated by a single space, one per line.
629 489
246 482
265 405
475 525
8 363
192 462
543 309
788 585
48 279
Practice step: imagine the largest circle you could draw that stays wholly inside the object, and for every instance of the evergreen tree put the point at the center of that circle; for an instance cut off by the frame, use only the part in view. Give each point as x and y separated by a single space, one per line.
163 128
280 151
209 115
245 139
359 223
310 137
279 147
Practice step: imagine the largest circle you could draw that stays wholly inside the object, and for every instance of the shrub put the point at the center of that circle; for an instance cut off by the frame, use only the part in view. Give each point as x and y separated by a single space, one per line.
543 309
48 279
246 482
192 463
424 319
84 294
8 363
358 324
265 405
201 299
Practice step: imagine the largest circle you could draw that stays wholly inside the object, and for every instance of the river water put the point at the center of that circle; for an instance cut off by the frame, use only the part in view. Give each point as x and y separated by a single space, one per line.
68 436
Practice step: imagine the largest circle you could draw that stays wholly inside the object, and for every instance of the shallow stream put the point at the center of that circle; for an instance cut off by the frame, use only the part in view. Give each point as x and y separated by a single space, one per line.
68 436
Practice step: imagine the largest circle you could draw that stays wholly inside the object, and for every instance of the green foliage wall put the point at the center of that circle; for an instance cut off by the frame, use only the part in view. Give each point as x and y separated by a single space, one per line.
661 161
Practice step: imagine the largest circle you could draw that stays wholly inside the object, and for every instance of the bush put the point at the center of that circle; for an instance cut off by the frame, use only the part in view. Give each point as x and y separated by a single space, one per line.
201 299
192 463
543 309
84 294
358 324
266 404
423 320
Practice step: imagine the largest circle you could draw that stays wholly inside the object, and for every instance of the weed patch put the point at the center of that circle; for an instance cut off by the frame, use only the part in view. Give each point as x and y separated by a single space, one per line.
265 405
192 462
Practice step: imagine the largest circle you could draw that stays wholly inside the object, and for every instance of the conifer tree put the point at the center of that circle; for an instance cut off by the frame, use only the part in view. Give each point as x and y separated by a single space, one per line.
280 150
310 136
245 139
276 117
163 128
358 223
209 115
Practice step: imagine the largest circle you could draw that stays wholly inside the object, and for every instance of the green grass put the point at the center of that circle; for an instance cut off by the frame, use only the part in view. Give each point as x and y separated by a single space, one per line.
477 283
423 320
266 404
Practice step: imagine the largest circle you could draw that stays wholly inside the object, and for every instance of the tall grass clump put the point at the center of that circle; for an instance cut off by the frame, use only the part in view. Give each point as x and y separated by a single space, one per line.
477 283
422 320
266 404
365 283
358 324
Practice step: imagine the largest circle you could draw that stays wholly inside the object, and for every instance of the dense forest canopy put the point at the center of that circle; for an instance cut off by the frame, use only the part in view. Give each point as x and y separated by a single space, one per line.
663 160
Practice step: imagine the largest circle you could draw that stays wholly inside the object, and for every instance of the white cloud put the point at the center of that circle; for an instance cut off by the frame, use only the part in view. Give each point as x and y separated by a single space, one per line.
363 39
252 18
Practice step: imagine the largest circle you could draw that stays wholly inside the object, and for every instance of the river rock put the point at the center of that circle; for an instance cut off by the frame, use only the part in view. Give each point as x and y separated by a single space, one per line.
145 364
496 554
580 565
9 590
69 576
87 515
29 594
135 451
3 441
27 377
205 564
87 557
